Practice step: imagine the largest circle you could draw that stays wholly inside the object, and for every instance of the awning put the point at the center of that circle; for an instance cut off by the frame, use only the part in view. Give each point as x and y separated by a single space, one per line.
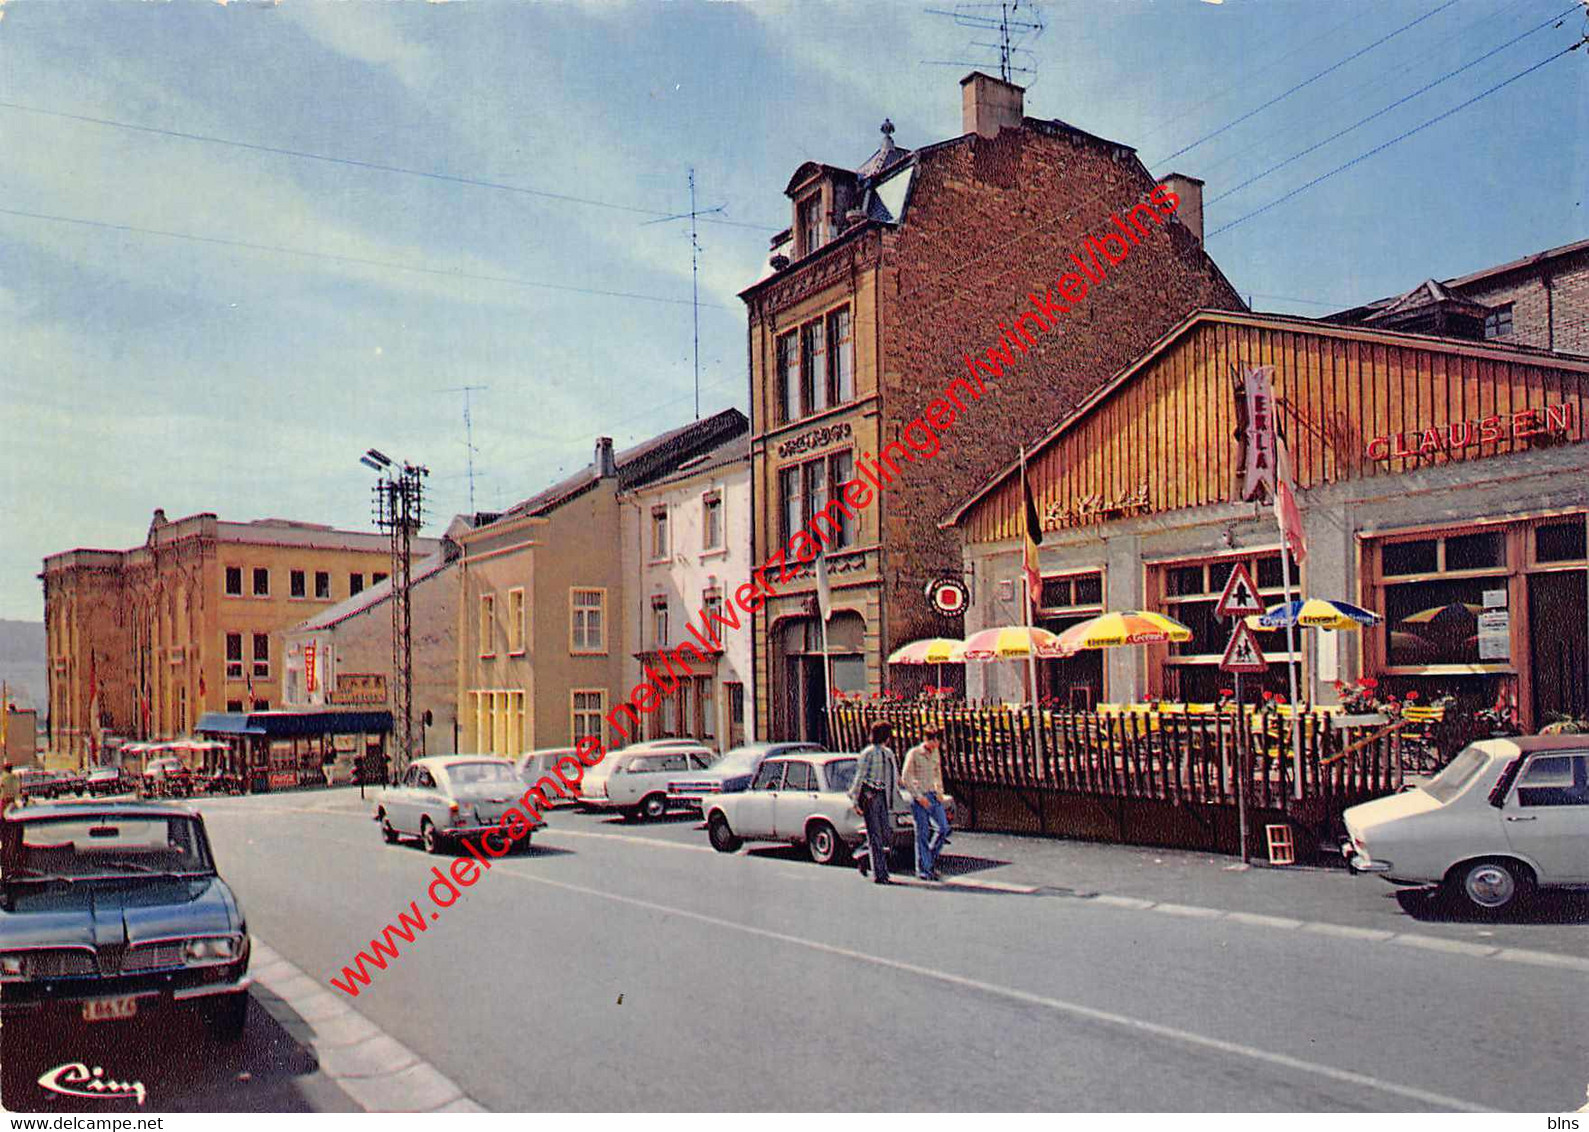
294 724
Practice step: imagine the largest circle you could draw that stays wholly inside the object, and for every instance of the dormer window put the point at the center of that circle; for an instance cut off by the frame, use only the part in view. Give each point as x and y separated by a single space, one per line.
808 224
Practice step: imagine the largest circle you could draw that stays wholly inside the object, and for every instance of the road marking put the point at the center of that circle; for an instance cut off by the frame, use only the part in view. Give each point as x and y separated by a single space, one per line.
1343 931
1060 1006
1189 910
1437 943
995 885
1258 919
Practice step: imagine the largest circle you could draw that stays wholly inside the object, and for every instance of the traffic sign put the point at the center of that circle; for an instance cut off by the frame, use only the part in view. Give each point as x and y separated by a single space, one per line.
1239 597
1243 654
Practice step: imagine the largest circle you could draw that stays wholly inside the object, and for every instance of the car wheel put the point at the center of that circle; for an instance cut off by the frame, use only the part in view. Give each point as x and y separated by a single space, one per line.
822 842
429 837
227 1018
722 838
388 831
1491 886
654 806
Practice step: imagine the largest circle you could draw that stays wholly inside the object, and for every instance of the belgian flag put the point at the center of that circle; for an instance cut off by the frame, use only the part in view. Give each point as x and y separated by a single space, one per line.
1033 538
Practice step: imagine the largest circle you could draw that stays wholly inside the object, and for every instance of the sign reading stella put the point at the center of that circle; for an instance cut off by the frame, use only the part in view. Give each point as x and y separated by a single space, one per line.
1549 420
1259 479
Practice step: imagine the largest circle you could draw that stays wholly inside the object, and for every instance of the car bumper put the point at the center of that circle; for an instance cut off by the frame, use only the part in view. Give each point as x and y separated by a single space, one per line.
66 1003
482 830
1359 862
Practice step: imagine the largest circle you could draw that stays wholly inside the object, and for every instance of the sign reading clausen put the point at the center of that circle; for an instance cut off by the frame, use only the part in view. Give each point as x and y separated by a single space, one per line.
1548 420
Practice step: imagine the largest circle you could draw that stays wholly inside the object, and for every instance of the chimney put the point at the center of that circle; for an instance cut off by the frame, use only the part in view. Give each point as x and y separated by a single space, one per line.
606 464
988 105
1190 211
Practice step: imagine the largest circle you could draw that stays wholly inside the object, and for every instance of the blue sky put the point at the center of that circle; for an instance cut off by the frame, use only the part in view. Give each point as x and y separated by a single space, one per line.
142 371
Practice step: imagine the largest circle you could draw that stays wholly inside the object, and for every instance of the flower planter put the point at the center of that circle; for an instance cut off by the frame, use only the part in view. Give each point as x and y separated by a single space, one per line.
1361 719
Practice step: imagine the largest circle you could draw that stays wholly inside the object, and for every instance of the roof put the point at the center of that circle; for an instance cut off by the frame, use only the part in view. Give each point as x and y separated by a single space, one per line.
1426 294
735 450
369 598
1488 349
293 724
639 465
1462 281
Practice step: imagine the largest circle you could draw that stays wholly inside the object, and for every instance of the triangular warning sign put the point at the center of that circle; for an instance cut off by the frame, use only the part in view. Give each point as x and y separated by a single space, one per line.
1239 597
1243 653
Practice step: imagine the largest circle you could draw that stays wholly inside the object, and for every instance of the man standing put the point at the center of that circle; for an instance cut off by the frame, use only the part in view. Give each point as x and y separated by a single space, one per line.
10 831
922 779
872 794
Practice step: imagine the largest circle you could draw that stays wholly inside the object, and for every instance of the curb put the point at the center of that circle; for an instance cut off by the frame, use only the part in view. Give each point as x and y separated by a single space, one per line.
377 1071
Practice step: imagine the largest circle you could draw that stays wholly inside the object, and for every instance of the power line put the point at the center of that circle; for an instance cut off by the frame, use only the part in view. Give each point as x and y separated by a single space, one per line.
1399 137
248 246
1387 109
451 178
1305 82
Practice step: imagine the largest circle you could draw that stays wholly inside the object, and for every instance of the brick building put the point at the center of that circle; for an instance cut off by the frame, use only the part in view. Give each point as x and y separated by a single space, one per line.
190 620
888 276
1541 300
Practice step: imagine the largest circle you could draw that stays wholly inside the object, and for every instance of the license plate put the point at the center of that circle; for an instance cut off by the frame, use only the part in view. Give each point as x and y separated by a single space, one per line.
107 1009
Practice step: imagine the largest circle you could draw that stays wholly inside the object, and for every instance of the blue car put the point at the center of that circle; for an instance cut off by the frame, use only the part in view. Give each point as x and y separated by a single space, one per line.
112 913
731 773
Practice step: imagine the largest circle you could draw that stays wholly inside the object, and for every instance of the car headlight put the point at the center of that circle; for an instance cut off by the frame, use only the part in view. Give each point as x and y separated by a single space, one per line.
210 949
11 967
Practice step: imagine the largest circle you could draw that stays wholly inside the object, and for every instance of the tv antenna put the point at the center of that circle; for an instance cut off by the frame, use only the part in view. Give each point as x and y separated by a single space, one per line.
695 269
468 432
1017 22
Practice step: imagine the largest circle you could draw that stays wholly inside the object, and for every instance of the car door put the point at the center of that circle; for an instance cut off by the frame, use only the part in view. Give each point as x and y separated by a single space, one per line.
753 812
430 799
794 802
398 803
1546 816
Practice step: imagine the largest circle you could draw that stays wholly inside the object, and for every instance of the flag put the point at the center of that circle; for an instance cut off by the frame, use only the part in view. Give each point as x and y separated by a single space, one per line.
249 705
824 594
1033 532
93 708
1285 505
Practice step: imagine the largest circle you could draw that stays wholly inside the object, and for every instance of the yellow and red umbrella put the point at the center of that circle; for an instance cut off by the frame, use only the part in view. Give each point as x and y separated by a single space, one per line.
928 650
1011 642
1128 627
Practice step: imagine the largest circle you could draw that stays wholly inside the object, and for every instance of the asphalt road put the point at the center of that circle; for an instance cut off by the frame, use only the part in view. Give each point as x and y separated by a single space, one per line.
626 966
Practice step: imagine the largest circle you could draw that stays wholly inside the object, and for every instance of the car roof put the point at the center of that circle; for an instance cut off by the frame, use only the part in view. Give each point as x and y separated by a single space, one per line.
99 807
1527 744
823 757
442 762
793 746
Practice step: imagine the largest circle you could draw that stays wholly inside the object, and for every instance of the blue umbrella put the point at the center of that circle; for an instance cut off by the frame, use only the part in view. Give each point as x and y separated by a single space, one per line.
1314 613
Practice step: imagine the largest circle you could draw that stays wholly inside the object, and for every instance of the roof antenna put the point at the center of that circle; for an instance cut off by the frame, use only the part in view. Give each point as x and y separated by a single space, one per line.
468 432
1017 22
695 273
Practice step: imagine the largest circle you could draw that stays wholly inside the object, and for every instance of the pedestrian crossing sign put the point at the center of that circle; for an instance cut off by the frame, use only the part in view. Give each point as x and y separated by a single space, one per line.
1243 653
1239 597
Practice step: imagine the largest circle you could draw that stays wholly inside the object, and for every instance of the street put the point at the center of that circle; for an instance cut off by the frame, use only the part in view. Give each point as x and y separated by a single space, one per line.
627 966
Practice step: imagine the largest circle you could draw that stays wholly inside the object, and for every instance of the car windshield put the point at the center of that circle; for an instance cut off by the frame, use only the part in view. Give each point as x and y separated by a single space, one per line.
1455 777
98 845
468 774
841 772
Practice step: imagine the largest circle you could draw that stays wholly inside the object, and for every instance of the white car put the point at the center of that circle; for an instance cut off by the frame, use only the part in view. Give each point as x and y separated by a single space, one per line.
803 800
634 781
1506 817
446 797
541 764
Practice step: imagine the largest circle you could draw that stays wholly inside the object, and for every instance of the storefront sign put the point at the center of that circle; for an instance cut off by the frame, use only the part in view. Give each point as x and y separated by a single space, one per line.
360 688
1258 480
280 778
309 668
1495 635
816 438
1125 504
948 596
1552 420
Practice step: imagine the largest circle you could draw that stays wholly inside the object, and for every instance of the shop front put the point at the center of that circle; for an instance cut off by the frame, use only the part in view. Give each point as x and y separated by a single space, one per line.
279 750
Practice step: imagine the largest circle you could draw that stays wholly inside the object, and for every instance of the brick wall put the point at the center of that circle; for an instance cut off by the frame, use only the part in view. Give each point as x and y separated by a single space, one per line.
1550 309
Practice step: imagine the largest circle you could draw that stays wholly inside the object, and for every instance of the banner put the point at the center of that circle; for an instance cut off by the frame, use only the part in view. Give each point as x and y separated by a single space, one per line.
1258 480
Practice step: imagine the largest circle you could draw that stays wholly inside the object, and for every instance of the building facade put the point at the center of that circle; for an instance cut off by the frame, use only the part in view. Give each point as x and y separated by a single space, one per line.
541 660
189 621
1443 483
685 545
889 281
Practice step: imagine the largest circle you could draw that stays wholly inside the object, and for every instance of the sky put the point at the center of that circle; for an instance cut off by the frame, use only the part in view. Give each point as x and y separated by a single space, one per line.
205 323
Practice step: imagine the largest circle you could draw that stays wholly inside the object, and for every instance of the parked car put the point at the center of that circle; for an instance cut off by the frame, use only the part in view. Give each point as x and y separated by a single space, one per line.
538 765
167 777
107 780
444 797
116 914
731 773
67 783
1506 817
36 784
802 800
634 781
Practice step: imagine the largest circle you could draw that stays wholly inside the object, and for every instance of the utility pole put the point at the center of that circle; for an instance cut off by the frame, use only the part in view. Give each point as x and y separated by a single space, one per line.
399 511
468 432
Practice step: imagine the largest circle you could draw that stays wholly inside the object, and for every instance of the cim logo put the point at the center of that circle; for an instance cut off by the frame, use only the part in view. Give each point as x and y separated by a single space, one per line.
75 1079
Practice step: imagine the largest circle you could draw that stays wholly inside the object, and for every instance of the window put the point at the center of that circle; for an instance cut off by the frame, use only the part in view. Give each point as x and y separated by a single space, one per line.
659 533
234 705
1191 591
488 627
261 581
808 224
377 578
516 622
234 581
1084 590
711 520
789 378
769 776
706 706
322 585
813 367
659 621
1498 323
841 358
736 704
800 776
355 584
262 654
805 491
586 630
297 584
1432 617
588 709
1554 780
1559 542
234 656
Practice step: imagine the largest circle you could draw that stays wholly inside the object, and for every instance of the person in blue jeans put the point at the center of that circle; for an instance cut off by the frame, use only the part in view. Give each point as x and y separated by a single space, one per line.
922 778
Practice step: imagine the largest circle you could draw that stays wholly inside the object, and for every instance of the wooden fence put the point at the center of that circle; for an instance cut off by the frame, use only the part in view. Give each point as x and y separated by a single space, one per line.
1155 757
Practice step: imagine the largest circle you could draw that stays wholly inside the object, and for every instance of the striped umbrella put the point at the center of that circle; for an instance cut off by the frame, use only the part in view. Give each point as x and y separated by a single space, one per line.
1314 613
1128 627
1011 642
928 650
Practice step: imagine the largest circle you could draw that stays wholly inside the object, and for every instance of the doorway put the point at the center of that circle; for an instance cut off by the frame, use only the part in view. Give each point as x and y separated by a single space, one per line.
1558 616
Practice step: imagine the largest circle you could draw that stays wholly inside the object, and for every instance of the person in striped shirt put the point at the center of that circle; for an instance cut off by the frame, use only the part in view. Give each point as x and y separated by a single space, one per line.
872 794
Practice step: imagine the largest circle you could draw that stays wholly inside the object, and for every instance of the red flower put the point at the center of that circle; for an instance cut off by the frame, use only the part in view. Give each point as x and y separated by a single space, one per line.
1226 692
1268 696
1368 682
1412 696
